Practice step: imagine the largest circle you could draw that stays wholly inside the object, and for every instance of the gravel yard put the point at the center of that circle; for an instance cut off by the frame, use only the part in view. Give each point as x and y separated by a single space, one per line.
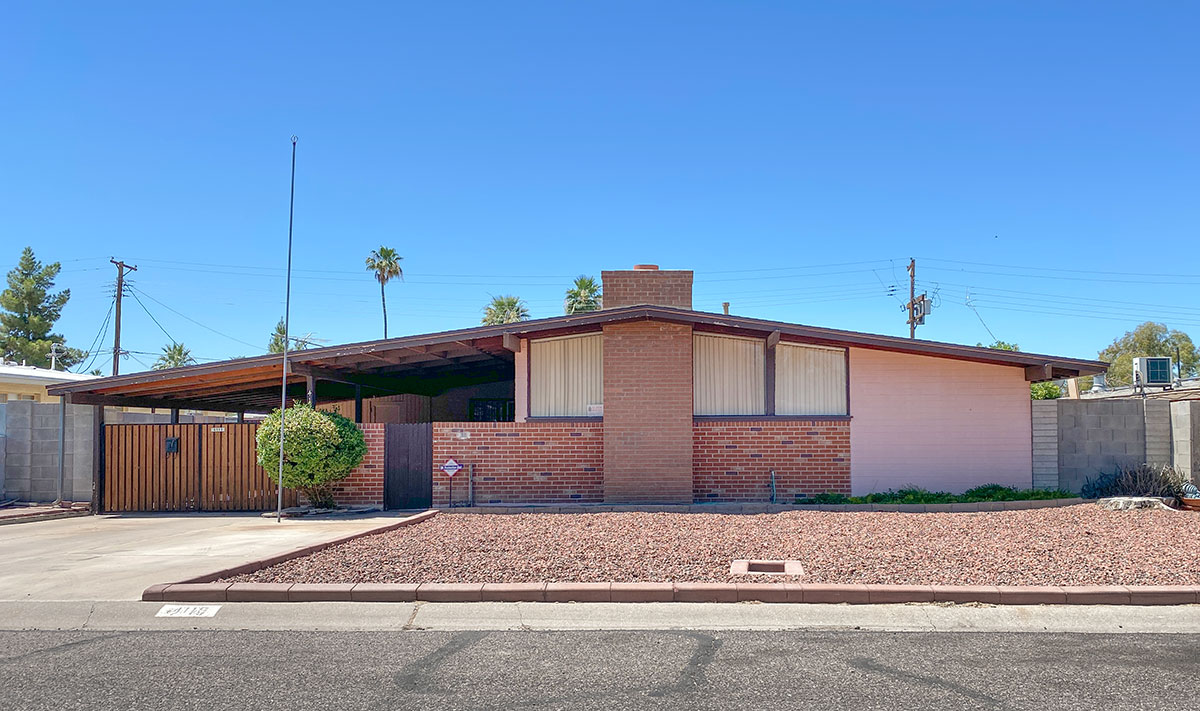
1076 545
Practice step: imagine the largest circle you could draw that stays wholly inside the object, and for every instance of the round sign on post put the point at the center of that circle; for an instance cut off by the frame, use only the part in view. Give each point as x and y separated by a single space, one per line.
451 468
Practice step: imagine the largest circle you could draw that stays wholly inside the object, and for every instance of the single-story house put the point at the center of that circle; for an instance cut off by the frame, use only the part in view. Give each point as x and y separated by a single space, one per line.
27 382
646 400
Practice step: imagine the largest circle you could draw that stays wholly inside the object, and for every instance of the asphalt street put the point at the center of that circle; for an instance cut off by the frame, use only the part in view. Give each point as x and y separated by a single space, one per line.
640 669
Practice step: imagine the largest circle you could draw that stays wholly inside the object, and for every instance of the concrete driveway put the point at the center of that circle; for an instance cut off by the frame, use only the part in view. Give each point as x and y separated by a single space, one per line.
115 557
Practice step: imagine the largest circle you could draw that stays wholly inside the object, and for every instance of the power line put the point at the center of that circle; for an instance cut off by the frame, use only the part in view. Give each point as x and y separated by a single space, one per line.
1069 271
189 318
1068 298
92 350
156 323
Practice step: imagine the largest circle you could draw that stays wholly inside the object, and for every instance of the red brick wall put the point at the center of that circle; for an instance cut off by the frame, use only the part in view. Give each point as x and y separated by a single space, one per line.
365 483
521 462
647 412
644 286
732 460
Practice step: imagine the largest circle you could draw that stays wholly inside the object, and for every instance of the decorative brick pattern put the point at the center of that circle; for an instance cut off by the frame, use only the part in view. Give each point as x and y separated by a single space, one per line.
647 286
520 463
647 412
364 486
732 460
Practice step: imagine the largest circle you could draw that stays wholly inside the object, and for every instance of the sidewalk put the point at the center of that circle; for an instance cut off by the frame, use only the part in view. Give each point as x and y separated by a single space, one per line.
336 616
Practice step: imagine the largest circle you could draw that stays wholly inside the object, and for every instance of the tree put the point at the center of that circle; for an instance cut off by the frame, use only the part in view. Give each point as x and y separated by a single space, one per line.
1148 339
505 309
386 265
28 311
584 295
319 449
1002 346
1037 391
175 355
276 343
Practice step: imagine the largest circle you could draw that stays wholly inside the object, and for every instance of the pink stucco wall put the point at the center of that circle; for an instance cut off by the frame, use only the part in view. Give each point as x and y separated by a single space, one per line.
946 425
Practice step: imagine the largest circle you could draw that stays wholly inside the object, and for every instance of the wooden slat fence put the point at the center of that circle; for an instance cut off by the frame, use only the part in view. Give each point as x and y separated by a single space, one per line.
214 469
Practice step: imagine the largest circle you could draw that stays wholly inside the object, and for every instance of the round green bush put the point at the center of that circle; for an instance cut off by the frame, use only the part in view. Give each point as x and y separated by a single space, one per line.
319 448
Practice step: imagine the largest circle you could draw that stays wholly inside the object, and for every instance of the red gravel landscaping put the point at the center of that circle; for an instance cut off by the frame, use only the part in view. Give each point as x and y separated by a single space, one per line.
1076 545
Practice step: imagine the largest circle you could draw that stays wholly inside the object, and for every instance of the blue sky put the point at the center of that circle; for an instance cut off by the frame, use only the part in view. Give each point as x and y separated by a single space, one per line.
1040 162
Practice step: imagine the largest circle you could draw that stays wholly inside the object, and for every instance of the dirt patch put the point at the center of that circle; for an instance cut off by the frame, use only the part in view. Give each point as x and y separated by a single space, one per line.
1077 545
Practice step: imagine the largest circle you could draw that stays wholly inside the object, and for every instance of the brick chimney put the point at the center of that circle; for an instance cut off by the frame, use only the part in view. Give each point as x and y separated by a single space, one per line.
647 284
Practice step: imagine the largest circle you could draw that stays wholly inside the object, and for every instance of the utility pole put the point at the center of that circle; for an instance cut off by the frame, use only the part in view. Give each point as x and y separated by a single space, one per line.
122 267
918 306
912 299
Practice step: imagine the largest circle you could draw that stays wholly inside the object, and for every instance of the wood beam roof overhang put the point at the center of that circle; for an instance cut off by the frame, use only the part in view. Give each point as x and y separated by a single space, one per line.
424 363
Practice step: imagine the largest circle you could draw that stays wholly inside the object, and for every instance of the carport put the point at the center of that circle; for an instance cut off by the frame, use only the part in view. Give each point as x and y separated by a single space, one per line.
211 466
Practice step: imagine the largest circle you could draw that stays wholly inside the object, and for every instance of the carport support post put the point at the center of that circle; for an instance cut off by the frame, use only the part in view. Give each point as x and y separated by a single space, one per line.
241 417
174 415
97 459
311 382
358 404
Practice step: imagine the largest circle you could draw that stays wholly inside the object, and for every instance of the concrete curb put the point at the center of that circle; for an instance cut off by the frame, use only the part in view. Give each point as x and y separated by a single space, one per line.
676 592
761 508
42 516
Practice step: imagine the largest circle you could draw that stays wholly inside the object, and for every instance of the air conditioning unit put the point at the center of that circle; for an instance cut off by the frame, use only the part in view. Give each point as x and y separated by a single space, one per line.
1152 371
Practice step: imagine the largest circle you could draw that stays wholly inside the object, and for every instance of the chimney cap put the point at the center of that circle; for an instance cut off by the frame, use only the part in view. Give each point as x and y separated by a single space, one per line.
645 267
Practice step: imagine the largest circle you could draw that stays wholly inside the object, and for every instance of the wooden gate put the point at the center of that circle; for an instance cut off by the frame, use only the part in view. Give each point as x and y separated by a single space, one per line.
408 466
193 467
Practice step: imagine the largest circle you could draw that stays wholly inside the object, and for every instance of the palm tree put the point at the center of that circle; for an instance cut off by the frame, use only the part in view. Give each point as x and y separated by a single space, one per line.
505 309
386 265
174 356
584 295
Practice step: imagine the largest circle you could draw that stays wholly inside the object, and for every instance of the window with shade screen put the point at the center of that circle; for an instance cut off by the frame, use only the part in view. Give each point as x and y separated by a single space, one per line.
566 375
810 380
727 375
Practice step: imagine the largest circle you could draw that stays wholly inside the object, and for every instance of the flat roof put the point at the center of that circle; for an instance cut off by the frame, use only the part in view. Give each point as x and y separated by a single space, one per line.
431 363
16 373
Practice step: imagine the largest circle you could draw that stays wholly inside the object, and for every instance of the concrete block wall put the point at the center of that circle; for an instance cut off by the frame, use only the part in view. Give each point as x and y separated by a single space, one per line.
521 463
732 460
1185 438
1045 444
1097 436
31 441
1158 431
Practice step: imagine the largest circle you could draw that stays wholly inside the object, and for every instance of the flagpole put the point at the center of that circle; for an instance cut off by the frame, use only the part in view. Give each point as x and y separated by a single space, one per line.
287 307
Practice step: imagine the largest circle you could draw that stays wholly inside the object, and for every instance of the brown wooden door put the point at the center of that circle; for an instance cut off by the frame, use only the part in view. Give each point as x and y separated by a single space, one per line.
230 477
408 466
142 473
192 467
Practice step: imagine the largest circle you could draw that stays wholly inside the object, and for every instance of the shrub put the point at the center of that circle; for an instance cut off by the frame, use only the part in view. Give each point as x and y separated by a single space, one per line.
917 495
319 448
996 492
825 497
1140 480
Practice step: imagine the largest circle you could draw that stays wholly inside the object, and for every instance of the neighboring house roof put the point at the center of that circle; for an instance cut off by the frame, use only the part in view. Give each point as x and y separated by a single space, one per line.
426 363
1189 389
15 373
